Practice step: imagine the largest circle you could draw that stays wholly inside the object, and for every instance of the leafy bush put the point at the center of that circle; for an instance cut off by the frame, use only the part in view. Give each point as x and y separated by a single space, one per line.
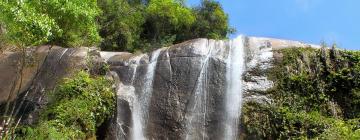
59 22
273 122
78 107
316 95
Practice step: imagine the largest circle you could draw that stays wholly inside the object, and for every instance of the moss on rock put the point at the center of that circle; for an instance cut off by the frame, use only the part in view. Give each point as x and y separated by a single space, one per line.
316 95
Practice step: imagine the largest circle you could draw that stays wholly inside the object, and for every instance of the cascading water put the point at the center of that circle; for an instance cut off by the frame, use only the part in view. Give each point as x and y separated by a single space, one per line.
196 121
235 67
212 111
126 92
141 103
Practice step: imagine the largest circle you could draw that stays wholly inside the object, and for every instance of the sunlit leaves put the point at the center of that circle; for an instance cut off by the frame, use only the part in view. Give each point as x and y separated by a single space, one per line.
60 22
77 107
25 26
172 11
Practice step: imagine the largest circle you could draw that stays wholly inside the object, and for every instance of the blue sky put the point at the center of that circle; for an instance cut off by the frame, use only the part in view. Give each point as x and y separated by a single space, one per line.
310 21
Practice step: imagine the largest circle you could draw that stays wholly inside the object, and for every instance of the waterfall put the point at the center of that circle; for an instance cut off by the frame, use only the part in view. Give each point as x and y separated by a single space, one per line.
142 101
196 121
233 99
211 104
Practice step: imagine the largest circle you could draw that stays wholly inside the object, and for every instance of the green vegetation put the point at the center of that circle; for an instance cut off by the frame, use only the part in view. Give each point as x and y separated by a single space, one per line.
60 22
211 22
316 95
78 106
145 25
120 24
115 25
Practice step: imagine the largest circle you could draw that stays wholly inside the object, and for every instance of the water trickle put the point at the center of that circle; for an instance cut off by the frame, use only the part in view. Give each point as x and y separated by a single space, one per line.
107 55
234 88
62 54
196 121
142 101
135 66
126 92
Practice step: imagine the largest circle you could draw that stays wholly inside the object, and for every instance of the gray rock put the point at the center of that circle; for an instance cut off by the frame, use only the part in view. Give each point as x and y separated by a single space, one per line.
176 78
45 66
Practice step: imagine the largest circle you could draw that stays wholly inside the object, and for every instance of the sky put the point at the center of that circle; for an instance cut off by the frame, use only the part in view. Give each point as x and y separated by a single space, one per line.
309 21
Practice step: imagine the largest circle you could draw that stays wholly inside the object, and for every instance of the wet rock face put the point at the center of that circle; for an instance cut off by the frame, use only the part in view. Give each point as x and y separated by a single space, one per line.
176 76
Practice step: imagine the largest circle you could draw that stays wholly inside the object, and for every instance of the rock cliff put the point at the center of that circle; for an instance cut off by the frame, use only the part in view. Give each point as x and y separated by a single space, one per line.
178 92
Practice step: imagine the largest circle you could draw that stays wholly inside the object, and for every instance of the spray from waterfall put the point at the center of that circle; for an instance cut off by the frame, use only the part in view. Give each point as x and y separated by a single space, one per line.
142 101
235 67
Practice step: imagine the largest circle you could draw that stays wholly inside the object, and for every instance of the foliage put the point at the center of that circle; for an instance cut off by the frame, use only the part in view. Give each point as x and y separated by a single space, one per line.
211 22
25 25
75 18
120 24
272 122
316 95
145 25
123 25
166 18
78 107
321 77
349 130
60 22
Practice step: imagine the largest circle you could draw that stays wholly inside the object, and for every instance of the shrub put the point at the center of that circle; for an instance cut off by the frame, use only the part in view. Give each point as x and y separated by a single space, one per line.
78 106
316 95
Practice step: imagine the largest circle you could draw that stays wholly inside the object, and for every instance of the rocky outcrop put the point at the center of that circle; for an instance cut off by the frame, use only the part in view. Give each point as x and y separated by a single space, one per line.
176 78
186 76
44 67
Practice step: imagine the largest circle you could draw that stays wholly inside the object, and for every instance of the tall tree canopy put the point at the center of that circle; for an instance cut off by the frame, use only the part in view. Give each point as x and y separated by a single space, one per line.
117 25
212 21
129 25
24 25
120 24
60 22
166 18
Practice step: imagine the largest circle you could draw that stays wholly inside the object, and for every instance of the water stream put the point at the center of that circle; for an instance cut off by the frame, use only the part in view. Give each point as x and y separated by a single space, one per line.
234 69
142 101
199 116
196 121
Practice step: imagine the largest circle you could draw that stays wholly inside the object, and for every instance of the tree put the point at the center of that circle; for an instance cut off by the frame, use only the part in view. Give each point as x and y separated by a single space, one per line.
26 23
165 19
120 24
211 22
60 22
130 25
76 20
24 26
